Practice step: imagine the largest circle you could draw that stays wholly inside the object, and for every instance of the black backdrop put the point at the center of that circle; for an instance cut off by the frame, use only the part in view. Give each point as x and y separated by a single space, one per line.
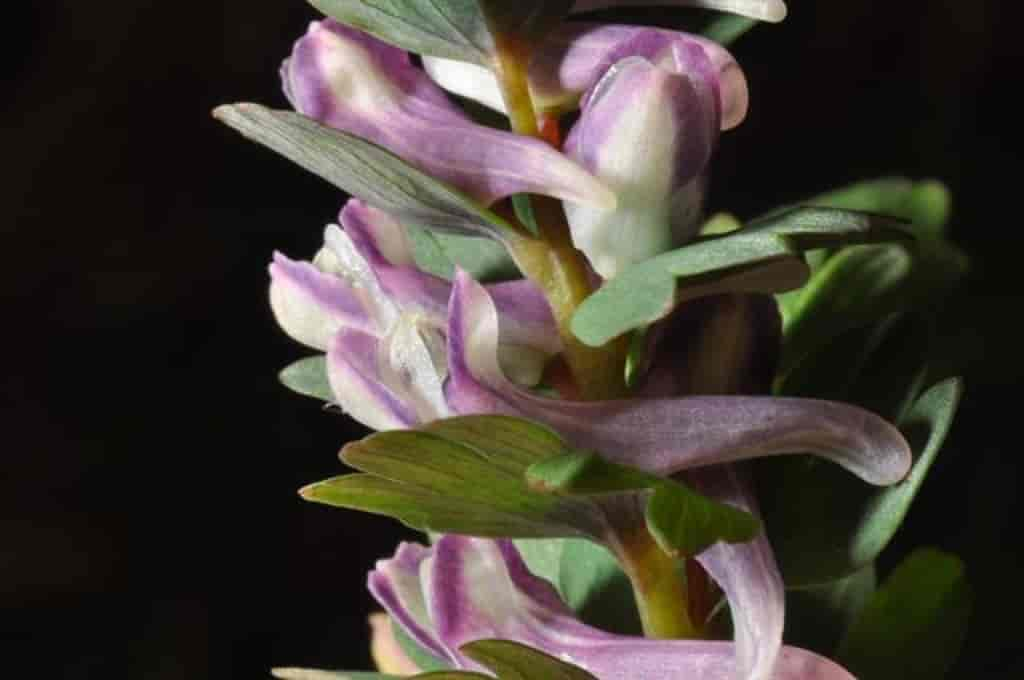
150 525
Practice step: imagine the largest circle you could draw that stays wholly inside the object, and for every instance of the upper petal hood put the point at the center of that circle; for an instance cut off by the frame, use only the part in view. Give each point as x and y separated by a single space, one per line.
575 57
472 589
749 576
665 436
311 306
351 81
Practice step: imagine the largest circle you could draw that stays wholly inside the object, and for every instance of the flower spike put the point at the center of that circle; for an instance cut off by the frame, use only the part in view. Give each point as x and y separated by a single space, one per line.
351 81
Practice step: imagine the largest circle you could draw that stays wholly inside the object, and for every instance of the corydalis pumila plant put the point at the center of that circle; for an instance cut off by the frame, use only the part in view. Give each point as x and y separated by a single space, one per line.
574 371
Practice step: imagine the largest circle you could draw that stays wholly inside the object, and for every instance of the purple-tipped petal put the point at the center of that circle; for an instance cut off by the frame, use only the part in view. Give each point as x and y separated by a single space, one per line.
648 132
749 576
477 589
354 375
763 10
411 363
528 333
311 306
665 436
351 81
575 57
397 585
383 244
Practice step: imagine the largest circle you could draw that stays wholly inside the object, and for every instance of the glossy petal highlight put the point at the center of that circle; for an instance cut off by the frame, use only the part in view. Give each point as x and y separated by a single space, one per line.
665 436
749 576
353 82
578 54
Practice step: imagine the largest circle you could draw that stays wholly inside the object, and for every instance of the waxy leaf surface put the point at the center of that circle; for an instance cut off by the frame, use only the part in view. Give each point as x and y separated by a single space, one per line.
363 169
858 286
311 674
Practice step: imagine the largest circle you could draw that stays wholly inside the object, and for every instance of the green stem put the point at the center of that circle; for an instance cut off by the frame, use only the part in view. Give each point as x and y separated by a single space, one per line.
549 259
659 586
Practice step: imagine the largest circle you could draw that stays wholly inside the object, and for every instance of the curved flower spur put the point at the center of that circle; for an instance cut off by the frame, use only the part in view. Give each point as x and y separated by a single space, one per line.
530 408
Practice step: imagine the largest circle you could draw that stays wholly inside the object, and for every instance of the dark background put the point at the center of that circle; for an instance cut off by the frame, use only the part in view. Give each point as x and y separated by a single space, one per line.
150 526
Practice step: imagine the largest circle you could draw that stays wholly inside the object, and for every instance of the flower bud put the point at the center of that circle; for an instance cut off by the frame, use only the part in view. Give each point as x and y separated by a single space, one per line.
353 82
647 131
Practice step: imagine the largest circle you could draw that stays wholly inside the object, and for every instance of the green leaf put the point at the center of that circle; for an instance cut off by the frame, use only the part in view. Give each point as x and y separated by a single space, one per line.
926 203
593 584
930 267
523 205
926 428
851 522
462 475
852 289
455 29
311 674
584 473
914 626
513 661
765 257
589 579
683 523
363 169
438 253
308 377
728 28
817 617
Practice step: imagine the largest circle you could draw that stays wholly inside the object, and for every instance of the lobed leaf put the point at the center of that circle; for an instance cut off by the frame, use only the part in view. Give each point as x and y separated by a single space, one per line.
308 377
852 288
765 257
439 253
914 626
461 475
686 524
683 522
363 169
